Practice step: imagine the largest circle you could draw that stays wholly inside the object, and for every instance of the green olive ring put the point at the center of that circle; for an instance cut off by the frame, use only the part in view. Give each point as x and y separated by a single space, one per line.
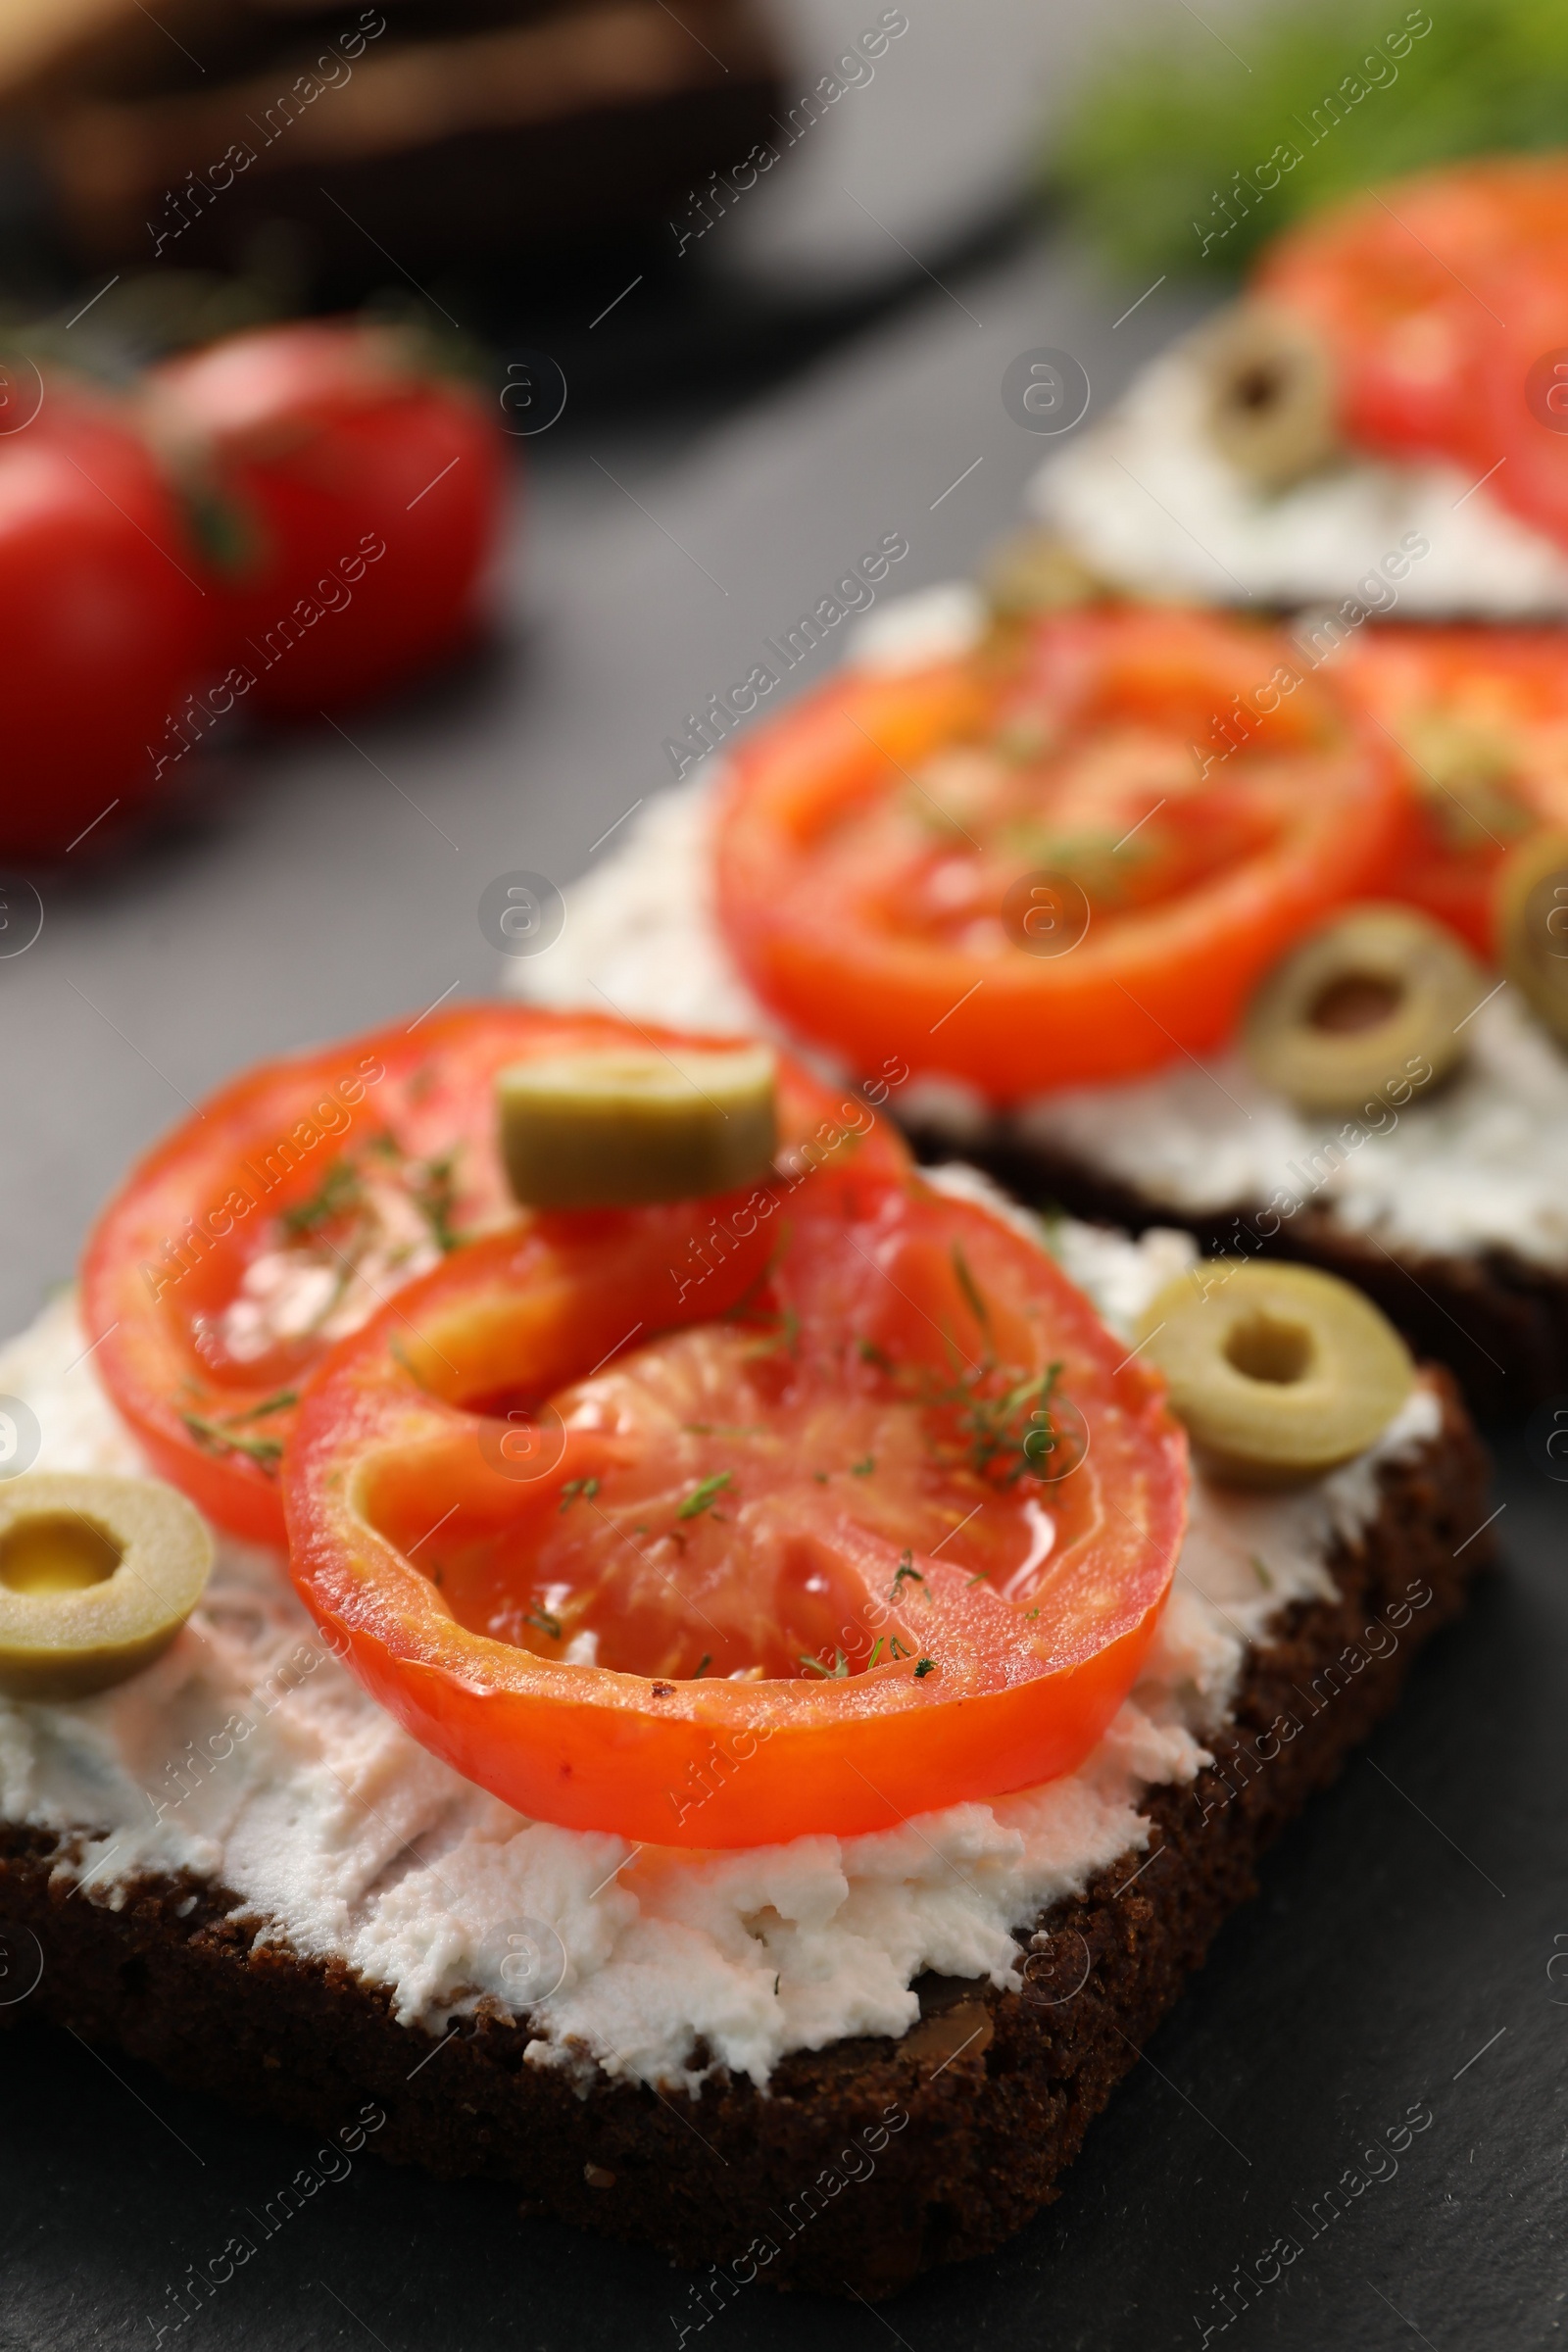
1374 1001
1270 394
97 1576
1532 927
1280 1372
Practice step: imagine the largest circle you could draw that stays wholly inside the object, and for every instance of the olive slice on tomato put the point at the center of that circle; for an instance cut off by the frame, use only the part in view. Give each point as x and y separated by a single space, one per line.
1532 927
1280 1372
1269 391
97 1576
617 1127
1376 999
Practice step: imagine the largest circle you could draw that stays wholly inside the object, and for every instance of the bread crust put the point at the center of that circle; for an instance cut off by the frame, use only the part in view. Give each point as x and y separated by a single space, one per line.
864 2162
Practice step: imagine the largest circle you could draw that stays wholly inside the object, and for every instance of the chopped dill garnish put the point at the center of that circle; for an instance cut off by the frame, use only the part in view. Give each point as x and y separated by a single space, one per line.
702 1498
871 1354
1260 1569
574 1488
433 1189
214 1437
703 1664
981 1575
923 1667
970 1288
863 1469
547 1624
281 1402
340 1190
835 1673
1006 1436
876 1652
905 1573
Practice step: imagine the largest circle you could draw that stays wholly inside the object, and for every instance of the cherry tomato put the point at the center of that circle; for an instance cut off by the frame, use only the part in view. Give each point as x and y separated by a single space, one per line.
103 618
351 500
1482 717
1064 860
873 1518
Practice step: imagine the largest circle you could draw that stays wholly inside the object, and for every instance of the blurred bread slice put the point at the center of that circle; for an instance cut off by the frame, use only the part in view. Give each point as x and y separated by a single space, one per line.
474 129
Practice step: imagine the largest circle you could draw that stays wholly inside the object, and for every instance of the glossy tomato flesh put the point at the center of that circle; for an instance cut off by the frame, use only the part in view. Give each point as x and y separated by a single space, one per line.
873 1518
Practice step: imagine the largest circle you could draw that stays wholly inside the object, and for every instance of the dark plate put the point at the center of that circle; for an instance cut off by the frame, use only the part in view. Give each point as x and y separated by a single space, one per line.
1402 1951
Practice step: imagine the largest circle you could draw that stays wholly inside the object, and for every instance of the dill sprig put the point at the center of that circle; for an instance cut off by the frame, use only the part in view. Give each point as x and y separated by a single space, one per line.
214 1437
433 1189
702 1498
340 1193
904 1573
1004 1419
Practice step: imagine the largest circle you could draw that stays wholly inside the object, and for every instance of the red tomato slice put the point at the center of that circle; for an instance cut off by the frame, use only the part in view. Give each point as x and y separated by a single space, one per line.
1190 789
877 1518
104 622
354 497
1482 715
1404 283
1518 437
281 1216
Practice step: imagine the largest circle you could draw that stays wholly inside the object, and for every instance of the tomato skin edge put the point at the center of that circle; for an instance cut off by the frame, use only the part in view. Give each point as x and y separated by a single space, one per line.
650 1789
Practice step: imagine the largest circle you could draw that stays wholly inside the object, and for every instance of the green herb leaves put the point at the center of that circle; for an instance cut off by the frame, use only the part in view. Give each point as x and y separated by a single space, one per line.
702 1496
222 1435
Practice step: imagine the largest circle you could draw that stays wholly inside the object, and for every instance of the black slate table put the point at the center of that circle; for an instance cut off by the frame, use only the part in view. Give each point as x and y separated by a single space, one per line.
1410 1946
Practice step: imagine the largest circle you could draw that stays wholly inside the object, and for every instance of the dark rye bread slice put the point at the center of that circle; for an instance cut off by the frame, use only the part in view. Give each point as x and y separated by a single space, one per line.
1495 1318
867 2162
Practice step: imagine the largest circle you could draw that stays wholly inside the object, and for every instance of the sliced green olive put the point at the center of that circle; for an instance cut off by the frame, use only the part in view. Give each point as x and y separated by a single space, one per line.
1270 393
97 1576
1034 571
618 1129
1369 1008
1533 926
1280 1372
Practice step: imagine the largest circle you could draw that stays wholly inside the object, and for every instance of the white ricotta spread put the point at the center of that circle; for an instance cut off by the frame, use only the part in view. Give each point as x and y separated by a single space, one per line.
1479 1166
930 624
247 1755
1151 503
